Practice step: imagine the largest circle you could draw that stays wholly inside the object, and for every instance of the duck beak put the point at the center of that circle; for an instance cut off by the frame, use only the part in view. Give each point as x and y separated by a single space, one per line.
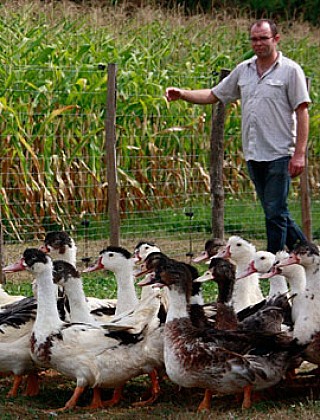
292 259
95 267
273 272
44 249
224 253
250 270
15 267
202 257
136 257
142 272
150 280
207 276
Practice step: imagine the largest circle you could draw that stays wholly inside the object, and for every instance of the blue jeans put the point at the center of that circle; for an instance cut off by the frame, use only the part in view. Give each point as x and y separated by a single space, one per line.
272 182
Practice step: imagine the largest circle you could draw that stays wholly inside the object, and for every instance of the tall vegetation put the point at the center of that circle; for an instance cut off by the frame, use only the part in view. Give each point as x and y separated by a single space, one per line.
52 106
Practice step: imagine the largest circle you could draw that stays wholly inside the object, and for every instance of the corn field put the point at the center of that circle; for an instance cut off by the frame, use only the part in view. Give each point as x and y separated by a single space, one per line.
52 124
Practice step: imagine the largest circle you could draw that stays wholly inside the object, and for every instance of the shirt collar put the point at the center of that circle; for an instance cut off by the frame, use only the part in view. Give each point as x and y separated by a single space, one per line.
252 61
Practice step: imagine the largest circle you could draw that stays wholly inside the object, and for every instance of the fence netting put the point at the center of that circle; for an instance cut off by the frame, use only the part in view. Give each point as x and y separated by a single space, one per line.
53 164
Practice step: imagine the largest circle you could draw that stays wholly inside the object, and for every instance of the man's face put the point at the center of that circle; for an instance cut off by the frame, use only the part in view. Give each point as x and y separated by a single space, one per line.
263 42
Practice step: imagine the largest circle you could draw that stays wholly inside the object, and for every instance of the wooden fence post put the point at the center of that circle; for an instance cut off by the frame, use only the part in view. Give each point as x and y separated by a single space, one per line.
305 194
216 166
110 148
2 276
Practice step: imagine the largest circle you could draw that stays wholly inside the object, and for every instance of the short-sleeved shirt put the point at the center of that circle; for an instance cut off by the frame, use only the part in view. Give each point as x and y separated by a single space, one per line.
268 104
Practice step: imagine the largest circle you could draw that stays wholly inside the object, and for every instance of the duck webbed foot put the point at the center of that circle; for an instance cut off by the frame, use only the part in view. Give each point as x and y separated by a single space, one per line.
70 404
246 403
205 404
116 398
155 391
15 386
96 401
32 388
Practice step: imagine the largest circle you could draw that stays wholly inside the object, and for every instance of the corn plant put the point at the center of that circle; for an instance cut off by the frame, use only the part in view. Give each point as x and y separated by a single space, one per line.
52 112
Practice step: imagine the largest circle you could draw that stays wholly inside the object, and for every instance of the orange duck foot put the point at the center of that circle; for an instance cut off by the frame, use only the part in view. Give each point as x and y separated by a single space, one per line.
155 391
249 397
247 402
32 388
16 384
96 401
71 404
116 398
151 400
205 404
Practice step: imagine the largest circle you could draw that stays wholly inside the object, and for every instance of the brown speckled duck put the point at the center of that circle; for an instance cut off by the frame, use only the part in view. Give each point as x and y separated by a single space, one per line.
195 357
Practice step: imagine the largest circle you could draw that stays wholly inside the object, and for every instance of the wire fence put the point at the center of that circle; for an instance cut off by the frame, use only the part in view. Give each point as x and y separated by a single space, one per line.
54 166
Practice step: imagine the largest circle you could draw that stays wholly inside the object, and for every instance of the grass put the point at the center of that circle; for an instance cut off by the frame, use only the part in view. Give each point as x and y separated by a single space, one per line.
173 403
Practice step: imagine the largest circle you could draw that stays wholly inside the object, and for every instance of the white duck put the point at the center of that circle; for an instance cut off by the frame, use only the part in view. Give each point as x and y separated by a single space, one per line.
16 323
295 276
143 249
61 246
66 276
262 263
119 261
86 353
278 296
15 329
195 358
307 303
247 292
130 310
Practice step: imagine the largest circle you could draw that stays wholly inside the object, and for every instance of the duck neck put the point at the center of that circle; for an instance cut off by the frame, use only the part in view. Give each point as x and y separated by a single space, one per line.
297 281
47 319
70 255
312 276
226 319
126 292
278 285
242 293
79 309
177 306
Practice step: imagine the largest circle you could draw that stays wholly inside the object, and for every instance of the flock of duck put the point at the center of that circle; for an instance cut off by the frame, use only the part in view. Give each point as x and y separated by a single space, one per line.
241 343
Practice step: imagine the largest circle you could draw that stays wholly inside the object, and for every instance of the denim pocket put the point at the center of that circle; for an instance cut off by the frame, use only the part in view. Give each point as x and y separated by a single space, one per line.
279 167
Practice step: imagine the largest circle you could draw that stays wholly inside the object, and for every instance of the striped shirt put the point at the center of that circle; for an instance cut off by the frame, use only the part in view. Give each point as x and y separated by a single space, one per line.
268 106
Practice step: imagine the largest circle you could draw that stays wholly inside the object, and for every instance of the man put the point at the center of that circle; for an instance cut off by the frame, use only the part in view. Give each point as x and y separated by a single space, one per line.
275 126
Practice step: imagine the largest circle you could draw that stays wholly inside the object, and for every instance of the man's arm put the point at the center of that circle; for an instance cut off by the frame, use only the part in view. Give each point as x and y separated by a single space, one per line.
201 96
298 161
